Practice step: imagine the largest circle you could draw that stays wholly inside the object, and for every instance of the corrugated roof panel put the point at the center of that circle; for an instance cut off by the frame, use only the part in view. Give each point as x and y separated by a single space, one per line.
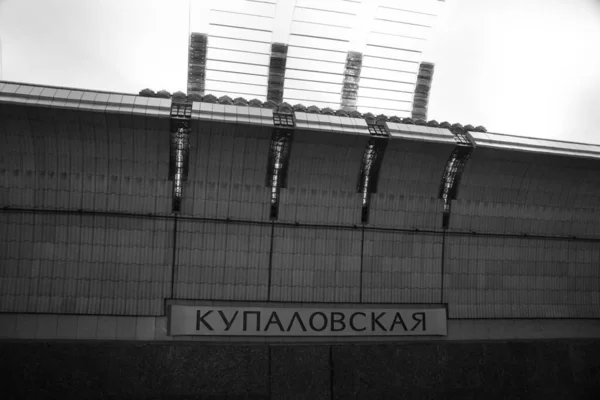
222 261
321 265
511 278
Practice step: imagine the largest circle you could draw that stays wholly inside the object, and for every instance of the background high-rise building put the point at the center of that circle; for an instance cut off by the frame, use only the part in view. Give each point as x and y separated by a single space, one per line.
339 53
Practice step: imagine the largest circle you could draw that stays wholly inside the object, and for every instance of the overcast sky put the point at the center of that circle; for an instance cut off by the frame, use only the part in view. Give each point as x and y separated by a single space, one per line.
524 67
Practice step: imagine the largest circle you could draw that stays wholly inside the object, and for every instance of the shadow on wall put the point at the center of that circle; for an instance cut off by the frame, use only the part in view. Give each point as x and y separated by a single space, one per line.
549 369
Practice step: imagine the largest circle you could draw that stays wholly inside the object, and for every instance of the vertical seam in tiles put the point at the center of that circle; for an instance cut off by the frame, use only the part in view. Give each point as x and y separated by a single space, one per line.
331 372
269 373
362 254
270 261
174 260
442 265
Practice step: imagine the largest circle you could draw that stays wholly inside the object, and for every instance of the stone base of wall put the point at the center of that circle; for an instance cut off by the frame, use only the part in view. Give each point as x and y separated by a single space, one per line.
558 369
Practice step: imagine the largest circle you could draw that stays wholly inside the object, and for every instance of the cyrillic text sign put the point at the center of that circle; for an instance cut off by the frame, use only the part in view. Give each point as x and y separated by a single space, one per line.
264 321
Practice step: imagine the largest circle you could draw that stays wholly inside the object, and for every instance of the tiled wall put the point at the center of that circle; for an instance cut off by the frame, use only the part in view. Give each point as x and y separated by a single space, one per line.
88 264
498 277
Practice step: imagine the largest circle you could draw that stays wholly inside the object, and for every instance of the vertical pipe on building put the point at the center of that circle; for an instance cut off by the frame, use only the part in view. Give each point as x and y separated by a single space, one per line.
277 72
270 261
422 88
174 260
270 374
197 64
442 266
351 81
331 372
362 257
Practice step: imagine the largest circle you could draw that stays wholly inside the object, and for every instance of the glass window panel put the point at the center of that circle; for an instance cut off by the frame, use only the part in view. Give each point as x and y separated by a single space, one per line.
241 56
317 16
393 54
379 84
330 5
384 104
314 76
321 30
400 28
296 63
236 77
396 42
237 67
394 12
316 54
385 94
246 21
247 7
395 76
417 6
240 33
316 86
233 87
397 65
240 45
318 43
319 96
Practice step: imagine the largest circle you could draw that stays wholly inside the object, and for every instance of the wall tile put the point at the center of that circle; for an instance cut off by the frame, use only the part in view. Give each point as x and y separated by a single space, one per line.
107 327
47 326
126 328
67 327
8 325
26 326
144 329
86 327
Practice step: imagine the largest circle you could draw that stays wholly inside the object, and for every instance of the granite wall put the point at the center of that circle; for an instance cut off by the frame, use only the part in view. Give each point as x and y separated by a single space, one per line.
494 370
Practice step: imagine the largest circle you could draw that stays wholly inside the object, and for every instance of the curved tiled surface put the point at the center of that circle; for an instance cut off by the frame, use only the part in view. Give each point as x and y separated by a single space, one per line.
409 181
227 173
63 159
66 150
537 194
322 179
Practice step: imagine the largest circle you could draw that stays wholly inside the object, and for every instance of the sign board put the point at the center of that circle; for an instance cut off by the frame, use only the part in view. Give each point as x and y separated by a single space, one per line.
299 321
